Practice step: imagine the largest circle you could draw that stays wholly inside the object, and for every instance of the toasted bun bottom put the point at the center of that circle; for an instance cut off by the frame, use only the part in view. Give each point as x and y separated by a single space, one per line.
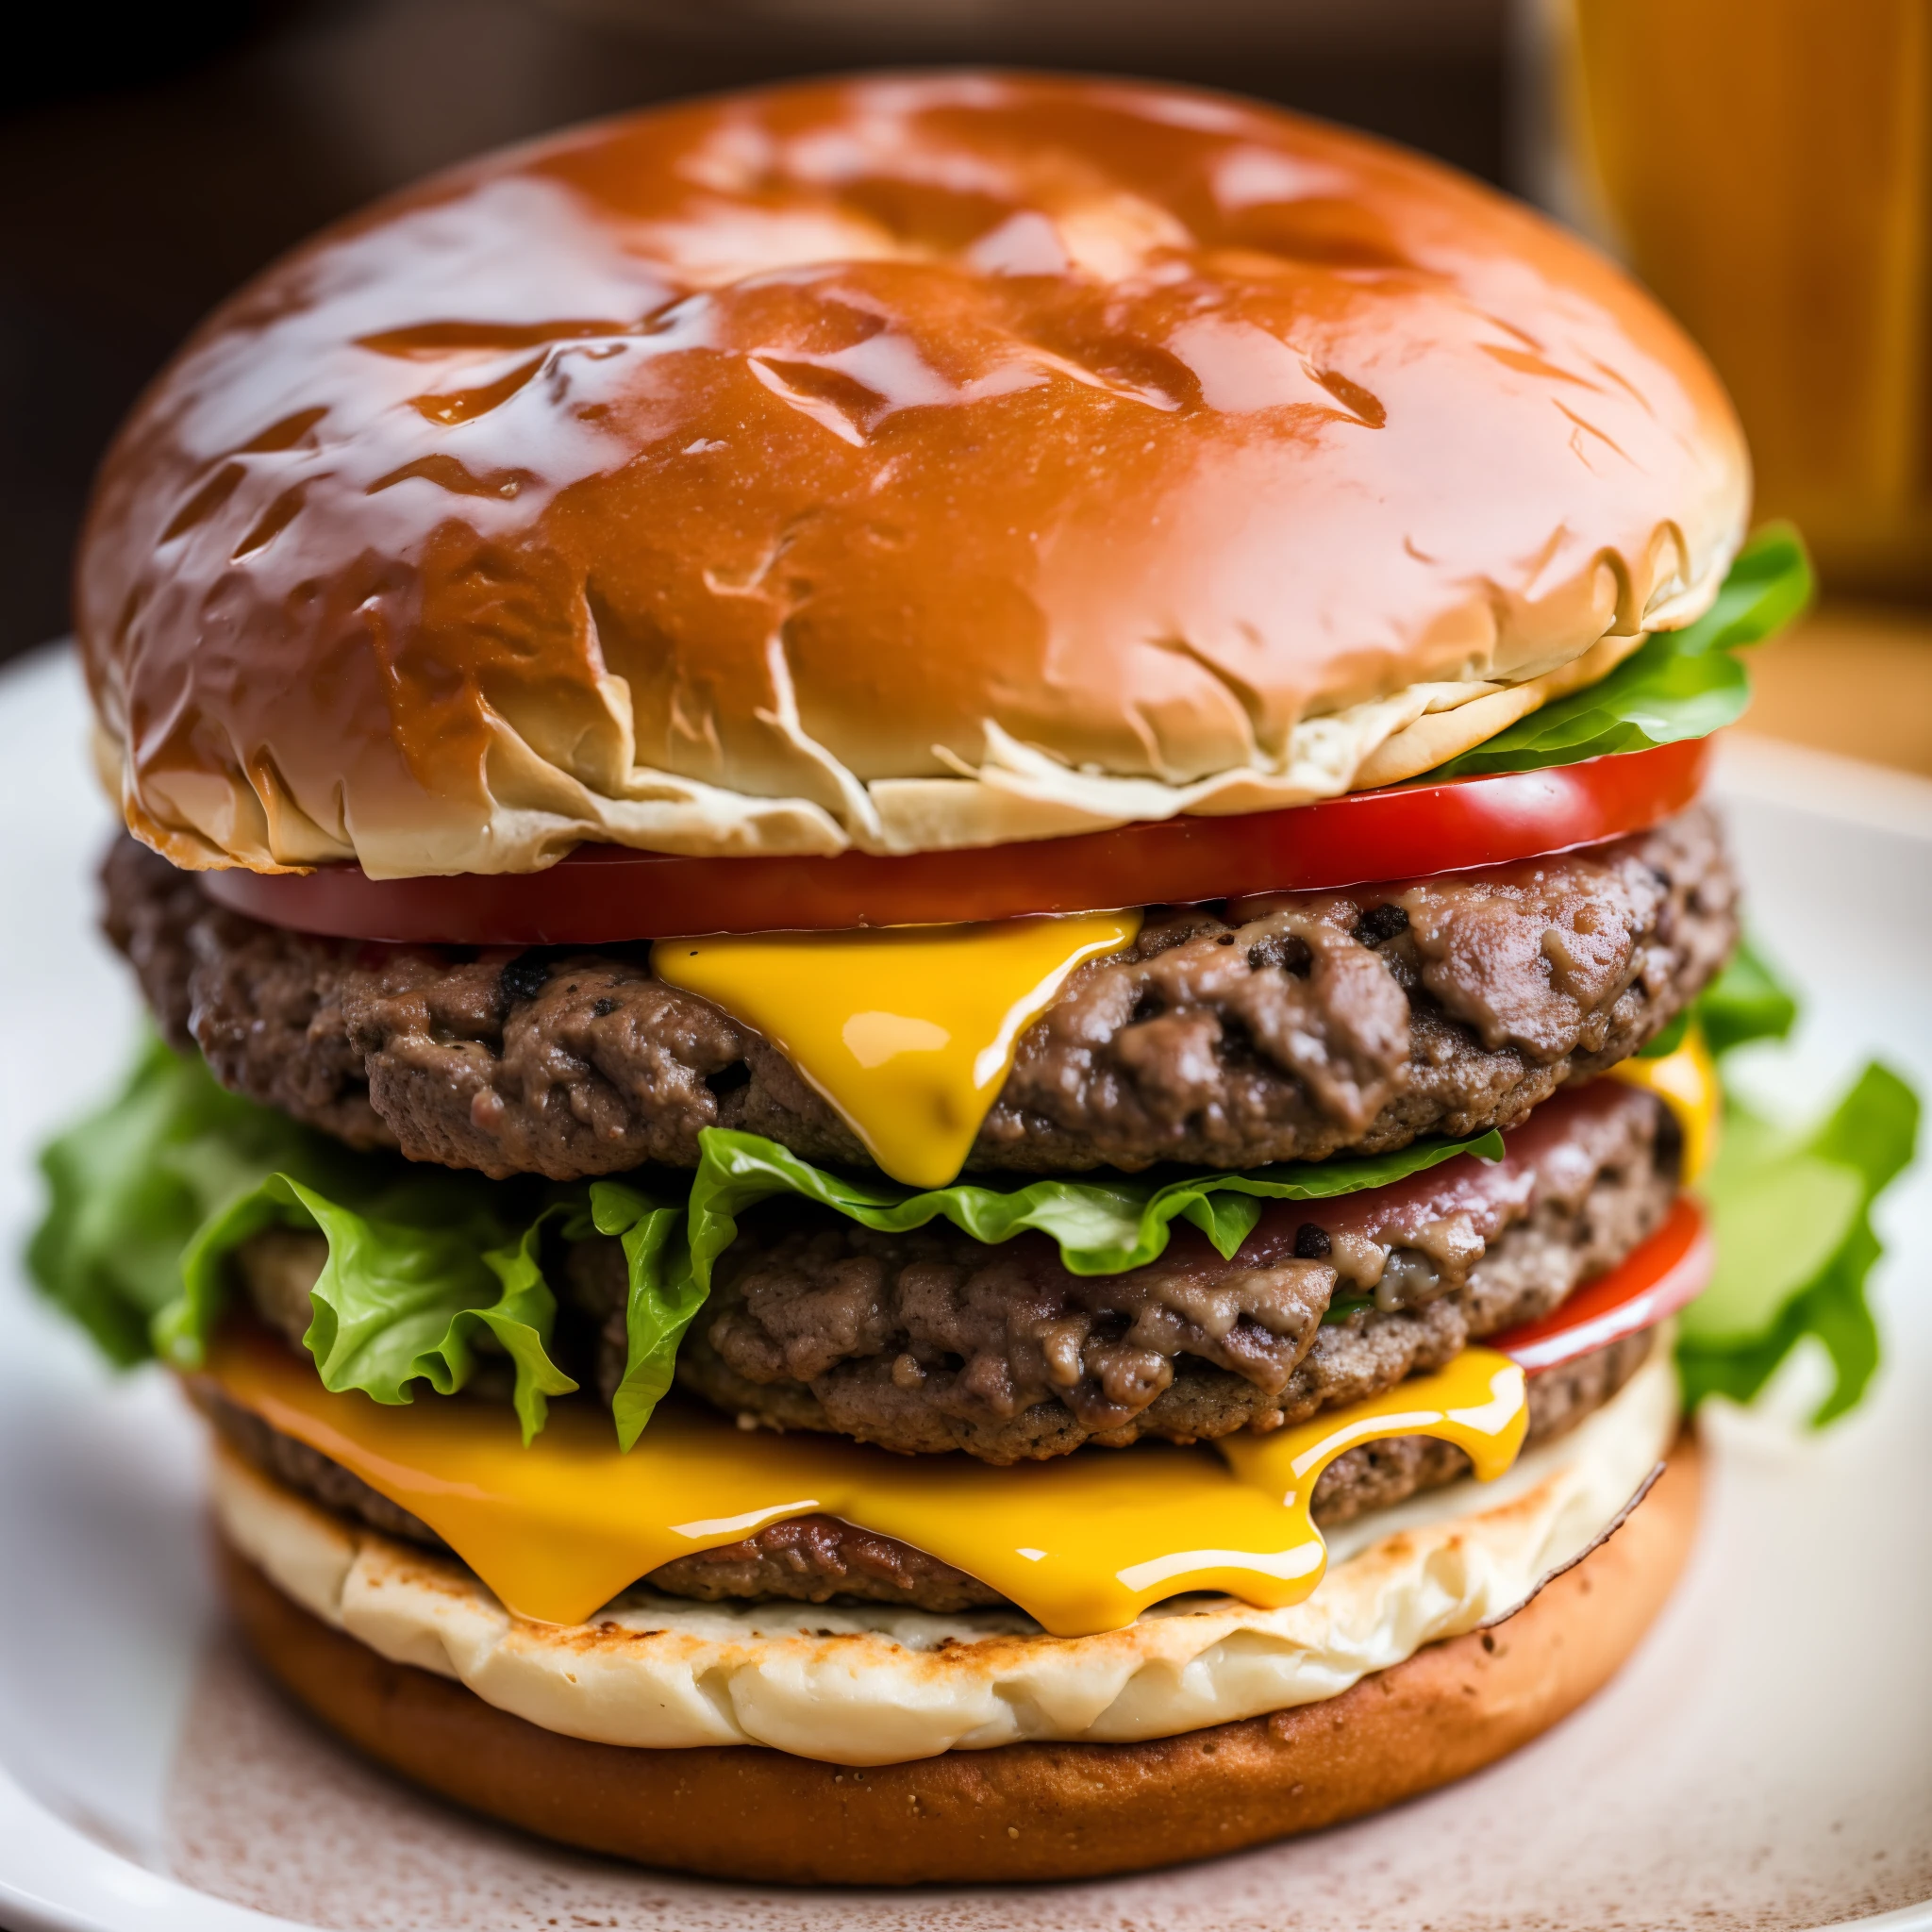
1020 1812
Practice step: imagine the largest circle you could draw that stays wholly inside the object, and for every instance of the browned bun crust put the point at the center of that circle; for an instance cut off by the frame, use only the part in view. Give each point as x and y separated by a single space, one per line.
695 479
1022 1812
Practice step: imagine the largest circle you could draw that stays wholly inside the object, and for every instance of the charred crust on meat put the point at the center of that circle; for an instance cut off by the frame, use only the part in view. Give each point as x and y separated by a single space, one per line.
522 979
1311 1242
729 1080
1287 952
1668 1150
1381 924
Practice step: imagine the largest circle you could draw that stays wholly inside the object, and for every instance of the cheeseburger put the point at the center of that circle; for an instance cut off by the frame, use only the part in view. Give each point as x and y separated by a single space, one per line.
921 869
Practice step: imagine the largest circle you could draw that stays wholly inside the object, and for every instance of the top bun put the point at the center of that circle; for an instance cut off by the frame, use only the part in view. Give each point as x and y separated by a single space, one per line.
896 463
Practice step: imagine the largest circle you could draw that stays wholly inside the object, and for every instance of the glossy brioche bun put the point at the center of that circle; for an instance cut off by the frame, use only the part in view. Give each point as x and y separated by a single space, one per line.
896 463
1020 1812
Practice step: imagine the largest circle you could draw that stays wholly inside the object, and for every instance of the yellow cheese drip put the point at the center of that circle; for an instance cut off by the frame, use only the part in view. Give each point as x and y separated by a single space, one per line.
1083 1544
1686 1081
909 1031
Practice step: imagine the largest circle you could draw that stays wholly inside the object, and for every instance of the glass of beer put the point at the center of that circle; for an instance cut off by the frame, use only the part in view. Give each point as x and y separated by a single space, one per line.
1766 167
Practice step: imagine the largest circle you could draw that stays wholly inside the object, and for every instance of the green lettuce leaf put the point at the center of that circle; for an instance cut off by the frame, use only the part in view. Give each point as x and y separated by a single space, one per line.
1746 1002
130 1184
416 1272
1795 1245
1101 1226
1668 1041
153 1194
664 1293
1678 684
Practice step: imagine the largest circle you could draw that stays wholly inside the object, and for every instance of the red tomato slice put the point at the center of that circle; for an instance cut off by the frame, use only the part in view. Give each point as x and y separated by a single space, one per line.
1671 1268
604 893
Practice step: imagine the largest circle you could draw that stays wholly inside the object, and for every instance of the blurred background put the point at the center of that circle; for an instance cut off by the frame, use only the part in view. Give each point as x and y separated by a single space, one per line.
1765 165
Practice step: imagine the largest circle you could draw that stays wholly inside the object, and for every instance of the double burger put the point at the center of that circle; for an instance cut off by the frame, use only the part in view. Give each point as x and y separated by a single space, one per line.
921 871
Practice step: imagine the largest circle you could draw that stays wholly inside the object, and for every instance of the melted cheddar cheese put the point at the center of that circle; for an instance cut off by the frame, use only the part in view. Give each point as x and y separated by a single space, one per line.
1686 1081
908 1032
1083 1544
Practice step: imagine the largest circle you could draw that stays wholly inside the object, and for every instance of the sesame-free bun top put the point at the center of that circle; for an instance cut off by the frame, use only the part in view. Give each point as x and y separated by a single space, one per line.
895 463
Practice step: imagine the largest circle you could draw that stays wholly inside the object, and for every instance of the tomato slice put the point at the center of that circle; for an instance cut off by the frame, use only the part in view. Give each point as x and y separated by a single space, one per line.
1656 1279
605 893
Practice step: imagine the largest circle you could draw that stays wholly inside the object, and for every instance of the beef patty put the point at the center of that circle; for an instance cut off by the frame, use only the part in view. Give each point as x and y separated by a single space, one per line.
820 1559
1292 1027
931 1341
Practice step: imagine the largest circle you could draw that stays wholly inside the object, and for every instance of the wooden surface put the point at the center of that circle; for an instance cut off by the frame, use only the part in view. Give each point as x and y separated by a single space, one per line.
1850 678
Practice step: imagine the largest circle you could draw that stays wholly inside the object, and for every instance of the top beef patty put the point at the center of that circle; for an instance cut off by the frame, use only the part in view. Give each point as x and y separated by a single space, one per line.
1295 1027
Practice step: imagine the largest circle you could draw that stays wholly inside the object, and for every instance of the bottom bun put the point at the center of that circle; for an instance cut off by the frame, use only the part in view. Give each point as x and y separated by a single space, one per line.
1018 1811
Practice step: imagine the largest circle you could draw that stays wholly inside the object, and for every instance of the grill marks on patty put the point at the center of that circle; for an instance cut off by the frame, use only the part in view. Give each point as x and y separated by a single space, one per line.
1297 1026
821 1559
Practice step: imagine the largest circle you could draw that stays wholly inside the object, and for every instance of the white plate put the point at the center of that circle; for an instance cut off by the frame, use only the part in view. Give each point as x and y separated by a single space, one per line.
1765 1761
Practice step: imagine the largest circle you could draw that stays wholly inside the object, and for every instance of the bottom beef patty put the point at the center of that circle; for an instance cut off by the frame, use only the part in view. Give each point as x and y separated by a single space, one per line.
820 1559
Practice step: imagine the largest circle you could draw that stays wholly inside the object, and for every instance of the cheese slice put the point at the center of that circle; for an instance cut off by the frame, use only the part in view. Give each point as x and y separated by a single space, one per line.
1686 1081
1082 1543
908 1032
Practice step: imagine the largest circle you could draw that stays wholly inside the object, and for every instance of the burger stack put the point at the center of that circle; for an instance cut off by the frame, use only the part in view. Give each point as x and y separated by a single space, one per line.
921 871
